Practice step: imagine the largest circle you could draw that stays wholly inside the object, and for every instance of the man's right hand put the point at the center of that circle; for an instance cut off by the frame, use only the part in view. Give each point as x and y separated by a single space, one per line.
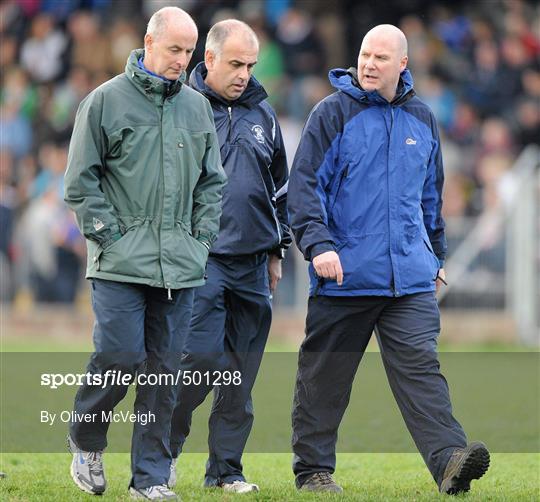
327 265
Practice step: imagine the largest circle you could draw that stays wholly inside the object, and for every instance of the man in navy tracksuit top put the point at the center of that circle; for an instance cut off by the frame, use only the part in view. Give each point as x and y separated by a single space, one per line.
232 312
365 206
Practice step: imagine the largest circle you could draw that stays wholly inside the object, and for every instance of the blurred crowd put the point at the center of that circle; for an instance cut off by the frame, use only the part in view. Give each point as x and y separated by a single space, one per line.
477 64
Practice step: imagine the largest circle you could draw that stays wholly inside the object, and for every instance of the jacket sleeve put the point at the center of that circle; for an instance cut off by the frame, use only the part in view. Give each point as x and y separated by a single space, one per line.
82 193
432 197
280 175
314 167
208 191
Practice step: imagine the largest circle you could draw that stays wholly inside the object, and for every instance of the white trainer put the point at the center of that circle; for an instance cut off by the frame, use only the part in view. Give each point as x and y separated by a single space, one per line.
239 487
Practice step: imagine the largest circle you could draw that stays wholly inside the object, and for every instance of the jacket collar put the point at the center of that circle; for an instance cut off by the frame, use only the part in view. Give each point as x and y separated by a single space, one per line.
151 85
252 96
347 81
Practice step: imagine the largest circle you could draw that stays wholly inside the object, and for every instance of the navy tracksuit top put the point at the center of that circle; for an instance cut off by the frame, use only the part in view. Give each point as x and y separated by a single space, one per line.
254 212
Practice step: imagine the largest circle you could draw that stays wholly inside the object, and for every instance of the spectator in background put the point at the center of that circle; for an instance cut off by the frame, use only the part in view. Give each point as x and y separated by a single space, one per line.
90 47
52 165
123 36
485 82
54 246
50 237
527 123
270 66
305 57
64 101
41 54
16 133
8 204
8 53
531 81
18 104
465 125
439 97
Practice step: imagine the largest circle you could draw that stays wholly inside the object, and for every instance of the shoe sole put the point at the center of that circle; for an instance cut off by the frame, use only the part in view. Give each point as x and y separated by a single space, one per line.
82 486
77 481
473 465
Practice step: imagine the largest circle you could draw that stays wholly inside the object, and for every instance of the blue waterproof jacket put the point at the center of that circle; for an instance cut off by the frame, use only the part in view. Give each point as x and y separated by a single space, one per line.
366 182
254 212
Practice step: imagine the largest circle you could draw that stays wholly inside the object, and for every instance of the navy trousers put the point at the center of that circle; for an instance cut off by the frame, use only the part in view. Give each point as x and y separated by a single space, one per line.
137 330
231 320
337 332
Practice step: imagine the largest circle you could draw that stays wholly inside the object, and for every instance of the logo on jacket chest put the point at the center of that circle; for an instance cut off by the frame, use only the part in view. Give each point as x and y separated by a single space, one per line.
258 133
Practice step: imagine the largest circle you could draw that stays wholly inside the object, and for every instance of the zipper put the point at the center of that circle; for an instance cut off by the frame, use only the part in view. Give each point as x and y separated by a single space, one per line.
392 280
161 113
273 199
229 109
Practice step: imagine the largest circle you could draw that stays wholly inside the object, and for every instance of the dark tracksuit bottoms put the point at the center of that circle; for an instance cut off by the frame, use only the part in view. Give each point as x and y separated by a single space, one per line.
337 332
231 320
137 330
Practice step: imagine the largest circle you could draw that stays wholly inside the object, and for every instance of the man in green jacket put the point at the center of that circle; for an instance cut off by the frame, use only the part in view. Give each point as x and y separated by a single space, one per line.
144 179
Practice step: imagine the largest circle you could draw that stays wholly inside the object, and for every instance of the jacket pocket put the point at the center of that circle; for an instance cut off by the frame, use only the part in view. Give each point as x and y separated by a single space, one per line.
434 260
429 247
135 254
191 254
342 176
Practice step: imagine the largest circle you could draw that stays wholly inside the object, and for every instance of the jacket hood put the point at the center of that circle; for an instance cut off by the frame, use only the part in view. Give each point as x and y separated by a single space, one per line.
347 81
253 94
147 82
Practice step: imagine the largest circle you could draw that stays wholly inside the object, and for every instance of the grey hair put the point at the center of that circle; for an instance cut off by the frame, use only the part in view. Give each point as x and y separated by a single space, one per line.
160 19
221 31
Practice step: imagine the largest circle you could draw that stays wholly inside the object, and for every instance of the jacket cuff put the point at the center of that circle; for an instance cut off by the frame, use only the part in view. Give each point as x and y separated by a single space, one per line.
204 243
441 262
277 251
320 248
205 237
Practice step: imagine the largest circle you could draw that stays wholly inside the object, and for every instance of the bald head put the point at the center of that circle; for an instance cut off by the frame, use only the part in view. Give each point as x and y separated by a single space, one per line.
390 33
169 42
221 31
232 49
382 58
162 19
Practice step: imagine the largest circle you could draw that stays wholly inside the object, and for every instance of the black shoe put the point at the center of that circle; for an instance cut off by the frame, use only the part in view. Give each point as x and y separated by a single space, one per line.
321 482
464 465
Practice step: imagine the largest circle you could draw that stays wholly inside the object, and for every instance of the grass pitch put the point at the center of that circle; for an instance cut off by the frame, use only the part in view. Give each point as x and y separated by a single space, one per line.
365 477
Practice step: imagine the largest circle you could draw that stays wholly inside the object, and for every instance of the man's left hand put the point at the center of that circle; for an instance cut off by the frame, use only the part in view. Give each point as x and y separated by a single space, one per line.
274 271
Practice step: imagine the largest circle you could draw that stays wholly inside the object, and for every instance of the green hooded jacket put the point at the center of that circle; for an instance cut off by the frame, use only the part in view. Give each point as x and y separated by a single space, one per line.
144 179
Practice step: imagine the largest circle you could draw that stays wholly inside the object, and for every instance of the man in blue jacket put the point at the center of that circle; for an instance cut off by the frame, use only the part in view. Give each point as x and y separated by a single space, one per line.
365 207
232 311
